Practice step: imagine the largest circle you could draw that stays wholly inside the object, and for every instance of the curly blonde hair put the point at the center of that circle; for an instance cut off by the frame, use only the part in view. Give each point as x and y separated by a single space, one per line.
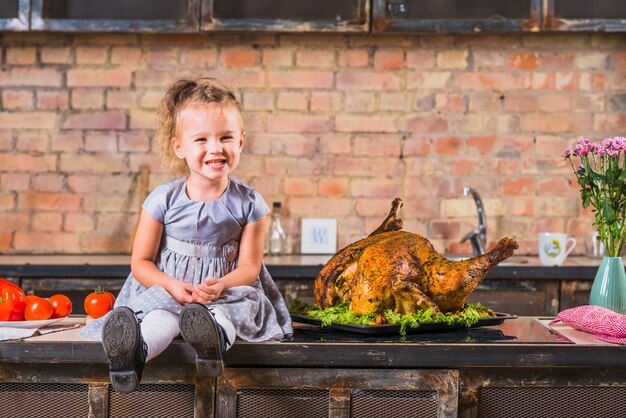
203 90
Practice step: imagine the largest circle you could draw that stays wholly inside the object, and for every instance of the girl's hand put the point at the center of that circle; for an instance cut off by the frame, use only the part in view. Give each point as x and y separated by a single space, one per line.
181 291
208 291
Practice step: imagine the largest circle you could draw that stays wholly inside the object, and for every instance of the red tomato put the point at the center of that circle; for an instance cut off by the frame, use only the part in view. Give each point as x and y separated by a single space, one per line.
13 300
38 309
99 303
62 306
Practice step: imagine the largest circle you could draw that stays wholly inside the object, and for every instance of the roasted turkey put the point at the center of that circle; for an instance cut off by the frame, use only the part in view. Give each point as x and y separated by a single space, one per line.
401 271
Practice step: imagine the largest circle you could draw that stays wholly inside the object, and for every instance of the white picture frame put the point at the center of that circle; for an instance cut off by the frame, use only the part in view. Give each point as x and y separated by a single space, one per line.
318 236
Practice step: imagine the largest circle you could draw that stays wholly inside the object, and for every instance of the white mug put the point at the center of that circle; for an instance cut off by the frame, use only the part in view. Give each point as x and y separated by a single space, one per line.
553 248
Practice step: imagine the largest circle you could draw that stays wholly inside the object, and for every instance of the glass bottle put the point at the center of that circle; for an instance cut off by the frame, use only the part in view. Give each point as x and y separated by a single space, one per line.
277 237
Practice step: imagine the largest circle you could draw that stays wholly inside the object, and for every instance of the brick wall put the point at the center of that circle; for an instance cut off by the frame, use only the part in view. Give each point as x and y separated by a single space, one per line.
338 126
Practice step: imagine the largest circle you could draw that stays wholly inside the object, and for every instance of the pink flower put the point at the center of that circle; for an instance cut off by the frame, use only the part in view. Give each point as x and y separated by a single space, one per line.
567 153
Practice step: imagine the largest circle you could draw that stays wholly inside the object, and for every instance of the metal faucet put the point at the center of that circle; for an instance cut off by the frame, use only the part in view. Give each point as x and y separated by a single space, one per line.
477 237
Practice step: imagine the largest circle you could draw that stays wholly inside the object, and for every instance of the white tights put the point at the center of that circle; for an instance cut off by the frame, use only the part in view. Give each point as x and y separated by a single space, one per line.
159 328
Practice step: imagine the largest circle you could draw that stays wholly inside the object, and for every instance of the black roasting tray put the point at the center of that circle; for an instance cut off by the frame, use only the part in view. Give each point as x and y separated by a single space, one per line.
395 328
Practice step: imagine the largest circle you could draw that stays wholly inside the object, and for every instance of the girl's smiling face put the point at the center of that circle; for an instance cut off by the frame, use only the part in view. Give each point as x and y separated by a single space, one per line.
209 138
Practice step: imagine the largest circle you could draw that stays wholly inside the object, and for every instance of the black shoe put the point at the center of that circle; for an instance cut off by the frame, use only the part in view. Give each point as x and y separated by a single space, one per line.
199 328
125 349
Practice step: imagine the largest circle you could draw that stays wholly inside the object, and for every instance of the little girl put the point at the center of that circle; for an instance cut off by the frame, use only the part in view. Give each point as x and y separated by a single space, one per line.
196 265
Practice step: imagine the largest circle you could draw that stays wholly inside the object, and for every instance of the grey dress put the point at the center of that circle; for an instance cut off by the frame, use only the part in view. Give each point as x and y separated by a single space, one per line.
201 240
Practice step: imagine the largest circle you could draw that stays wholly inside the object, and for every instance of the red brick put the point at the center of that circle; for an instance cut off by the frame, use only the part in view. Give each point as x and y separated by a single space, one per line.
367 80
420 59
542 81
92 163
7 202
81 183
95 120
48 182
241 78
378 145
126 56
517 186
161 58
523 206
52 100
523 61
92 55
56 55
619 61
322 58
87 98
445 229
509 167
360 166
333 187
491 81
430 124
66 142
48 243
555 102
353 58
134 142
278 57
299 187
448 145
416 145
30 76
359 102
14 221
520 102
99 78
240 57
558 186
300 79
154 78
25 162
32 142
298 122
17 182
368 206
21 55
46 221
101 142
27 120
365 123
292 101
199 58
117 183
556 122
48 201
450 102
104 243
389 59
556 61
482 144
330 207
6 140
17 99
567 81
325 100
375 187
335 143
5 241
298 146
123 99
78 222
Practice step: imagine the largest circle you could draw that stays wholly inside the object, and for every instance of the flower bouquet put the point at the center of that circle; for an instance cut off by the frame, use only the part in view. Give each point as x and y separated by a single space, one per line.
601 175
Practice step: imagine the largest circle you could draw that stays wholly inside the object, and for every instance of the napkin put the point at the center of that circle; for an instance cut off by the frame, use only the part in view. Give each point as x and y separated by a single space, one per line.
603 323
8 333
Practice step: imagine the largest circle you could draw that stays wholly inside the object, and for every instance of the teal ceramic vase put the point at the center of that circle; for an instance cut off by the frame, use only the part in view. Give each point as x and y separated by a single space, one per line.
609 286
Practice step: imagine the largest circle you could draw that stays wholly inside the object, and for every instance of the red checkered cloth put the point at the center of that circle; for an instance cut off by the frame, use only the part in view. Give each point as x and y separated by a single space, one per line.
603 323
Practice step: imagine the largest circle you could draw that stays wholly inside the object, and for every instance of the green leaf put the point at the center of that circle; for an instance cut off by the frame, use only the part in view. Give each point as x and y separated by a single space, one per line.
608 214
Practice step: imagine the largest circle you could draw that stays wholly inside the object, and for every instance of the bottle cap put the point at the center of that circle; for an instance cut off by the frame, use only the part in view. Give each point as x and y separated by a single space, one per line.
277 204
